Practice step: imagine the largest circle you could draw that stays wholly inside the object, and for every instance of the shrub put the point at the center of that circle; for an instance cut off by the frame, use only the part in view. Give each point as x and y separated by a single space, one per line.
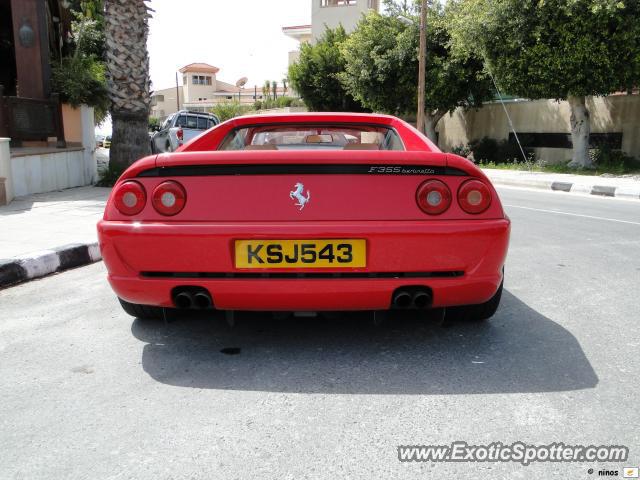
225 111
488 150
484 150
81 80
508 152
110 176
606 158
461 150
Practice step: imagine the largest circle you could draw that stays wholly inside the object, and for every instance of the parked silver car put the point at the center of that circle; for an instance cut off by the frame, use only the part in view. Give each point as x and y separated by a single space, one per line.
181 127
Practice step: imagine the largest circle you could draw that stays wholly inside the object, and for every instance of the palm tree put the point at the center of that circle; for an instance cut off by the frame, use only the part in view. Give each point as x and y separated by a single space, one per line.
285 81
274 86
266 90
126 31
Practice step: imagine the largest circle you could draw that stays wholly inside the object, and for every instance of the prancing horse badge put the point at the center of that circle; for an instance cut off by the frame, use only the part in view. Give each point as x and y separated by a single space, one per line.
298 194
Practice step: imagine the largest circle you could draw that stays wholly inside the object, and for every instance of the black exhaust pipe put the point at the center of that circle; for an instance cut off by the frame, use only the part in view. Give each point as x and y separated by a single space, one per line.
184 300
202 300
421 300
402 299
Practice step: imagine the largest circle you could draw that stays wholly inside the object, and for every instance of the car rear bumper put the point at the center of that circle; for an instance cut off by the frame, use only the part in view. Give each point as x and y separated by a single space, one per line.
460 261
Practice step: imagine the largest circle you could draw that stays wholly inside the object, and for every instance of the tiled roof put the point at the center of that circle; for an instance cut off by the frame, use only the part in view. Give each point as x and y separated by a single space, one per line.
199 67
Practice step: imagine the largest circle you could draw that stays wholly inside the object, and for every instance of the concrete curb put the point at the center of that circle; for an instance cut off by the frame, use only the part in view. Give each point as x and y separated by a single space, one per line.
38 264
624 191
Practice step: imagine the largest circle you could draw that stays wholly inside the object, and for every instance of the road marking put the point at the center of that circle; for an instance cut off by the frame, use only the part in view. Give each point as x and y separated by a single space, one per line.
574 214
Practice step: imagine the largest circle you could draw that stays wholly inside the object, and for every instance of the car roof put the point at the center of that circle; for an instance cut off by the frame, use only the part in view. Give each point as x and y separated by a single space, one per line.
207 114
311 117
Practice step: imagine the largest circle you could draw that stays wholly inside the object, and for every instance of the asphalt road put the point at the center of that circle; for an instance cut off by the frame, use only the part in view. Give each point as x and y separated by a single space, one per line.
89 393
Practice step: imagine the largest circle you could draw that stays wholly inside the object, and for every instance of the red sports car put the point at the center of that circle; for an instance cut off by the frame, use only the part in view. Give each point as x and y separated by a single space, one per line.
306 213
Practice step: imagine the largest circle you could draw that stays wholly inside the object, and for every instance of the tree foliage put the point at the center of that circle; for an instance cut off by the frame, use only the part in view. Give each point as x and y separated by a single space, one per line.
553 48
316 74
80 76
562 49
381 68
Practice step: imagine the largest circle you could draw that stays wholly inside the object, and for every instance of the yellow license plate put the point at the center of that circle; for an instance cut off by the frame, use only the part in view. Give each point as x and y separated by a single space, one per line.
307 253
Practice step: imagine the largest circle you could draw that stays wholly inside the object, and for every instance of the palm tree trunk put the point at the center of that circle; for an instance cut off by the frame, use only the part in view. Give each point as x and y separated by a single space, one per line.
126 30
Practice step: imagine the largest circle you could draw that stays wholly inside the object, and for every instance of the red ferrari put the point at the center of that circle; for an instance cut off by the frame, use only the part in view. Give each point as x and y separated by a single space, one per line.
306 213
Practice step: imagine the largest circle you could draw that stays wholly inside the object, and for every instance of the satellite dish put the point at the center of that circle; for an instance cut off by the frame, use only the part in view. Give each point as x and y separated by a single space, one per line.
242 82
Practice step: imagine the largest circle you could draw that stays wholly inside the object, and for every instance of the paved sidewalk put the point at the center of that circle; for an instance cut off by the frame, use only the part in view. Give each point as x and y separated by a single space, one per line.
624 187
44 233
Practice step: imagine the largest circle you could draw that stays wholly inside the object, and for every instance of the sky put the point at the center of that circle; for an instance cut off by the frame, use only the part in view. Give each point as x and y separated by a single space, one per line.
243 38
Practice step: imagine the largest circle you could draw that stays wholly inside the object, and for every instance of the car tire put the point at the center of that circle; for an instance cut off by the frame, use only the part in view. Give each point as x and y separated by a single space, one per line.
143 312
477 313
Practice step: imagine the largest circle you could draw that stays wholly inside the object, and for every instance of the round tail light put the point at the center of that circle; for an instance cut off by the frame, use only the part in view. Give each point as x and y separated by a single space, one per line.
433 197
474 196
130 198
169 198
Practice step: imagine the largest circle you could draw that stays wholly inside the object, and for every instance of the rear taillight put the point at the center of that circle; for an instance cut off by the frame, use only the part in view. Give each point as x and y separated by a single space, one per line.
130 198
180 134
474 196
169 198
433 197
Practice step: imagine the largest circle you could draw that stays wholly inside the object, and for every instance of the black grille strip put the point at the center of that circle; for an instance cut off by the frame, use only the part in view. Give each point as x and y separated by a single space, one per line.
298 275
298 169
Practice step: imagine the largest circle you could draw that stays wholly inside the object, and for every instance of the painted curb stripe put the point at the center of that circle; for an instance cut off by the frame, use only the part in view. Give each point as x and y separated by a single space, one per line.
11 272
562 186
623 191
604 191
17 270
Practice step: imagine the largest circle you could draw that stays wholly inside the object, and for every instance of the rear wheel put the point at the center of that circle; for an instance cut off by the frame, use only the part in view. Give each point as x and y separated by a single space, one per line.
144 312
477 313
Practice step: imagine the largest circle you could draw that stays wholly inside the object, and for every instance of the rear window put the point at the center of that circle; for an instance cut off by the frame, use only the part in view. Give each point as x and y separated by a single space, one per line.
203 123
312 137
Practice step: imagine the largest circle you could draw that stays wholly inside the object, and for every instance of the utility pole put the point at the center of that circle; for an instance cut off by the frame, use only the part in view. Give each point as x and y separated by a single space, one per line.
177 93
422 66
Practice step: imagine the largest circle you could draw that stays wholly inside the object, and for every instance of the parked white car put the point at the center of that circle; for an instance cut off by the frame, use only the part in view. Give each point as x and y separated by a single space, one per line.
181 127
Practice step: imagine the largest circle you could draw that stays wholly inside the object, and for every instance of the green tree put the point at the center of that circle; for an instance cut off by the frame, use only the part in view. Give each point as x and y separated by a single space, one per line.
80 76
381 68
316 74
225 111
274 89
561 49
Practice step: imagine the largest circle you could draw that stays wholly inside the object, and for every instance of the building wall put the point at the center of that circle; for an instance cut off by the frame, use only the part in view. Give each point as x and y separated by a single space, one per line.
163 108
332 16
52 171
193 92
45 169
613 114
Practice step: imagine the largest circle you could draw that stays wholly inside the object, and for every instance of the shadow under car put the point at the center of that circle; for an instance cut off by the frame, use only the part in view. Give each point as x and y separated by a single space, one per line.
517 351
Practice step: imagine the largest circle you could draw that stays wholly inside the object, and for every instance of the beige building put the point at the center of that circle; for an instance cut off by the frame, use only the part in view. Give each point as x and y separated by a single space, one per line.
200 90
329 13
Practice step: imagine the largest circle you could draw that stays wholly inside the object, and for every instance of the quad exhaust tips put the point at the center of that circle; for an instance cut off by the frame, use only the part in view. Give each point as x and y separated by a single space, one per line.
192 298
411 298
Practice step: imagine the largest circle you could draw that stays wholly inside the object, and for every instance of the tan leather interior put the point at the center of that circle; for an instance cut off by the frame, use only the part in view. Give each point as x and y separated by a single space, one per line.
362 146
261 147
318 139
